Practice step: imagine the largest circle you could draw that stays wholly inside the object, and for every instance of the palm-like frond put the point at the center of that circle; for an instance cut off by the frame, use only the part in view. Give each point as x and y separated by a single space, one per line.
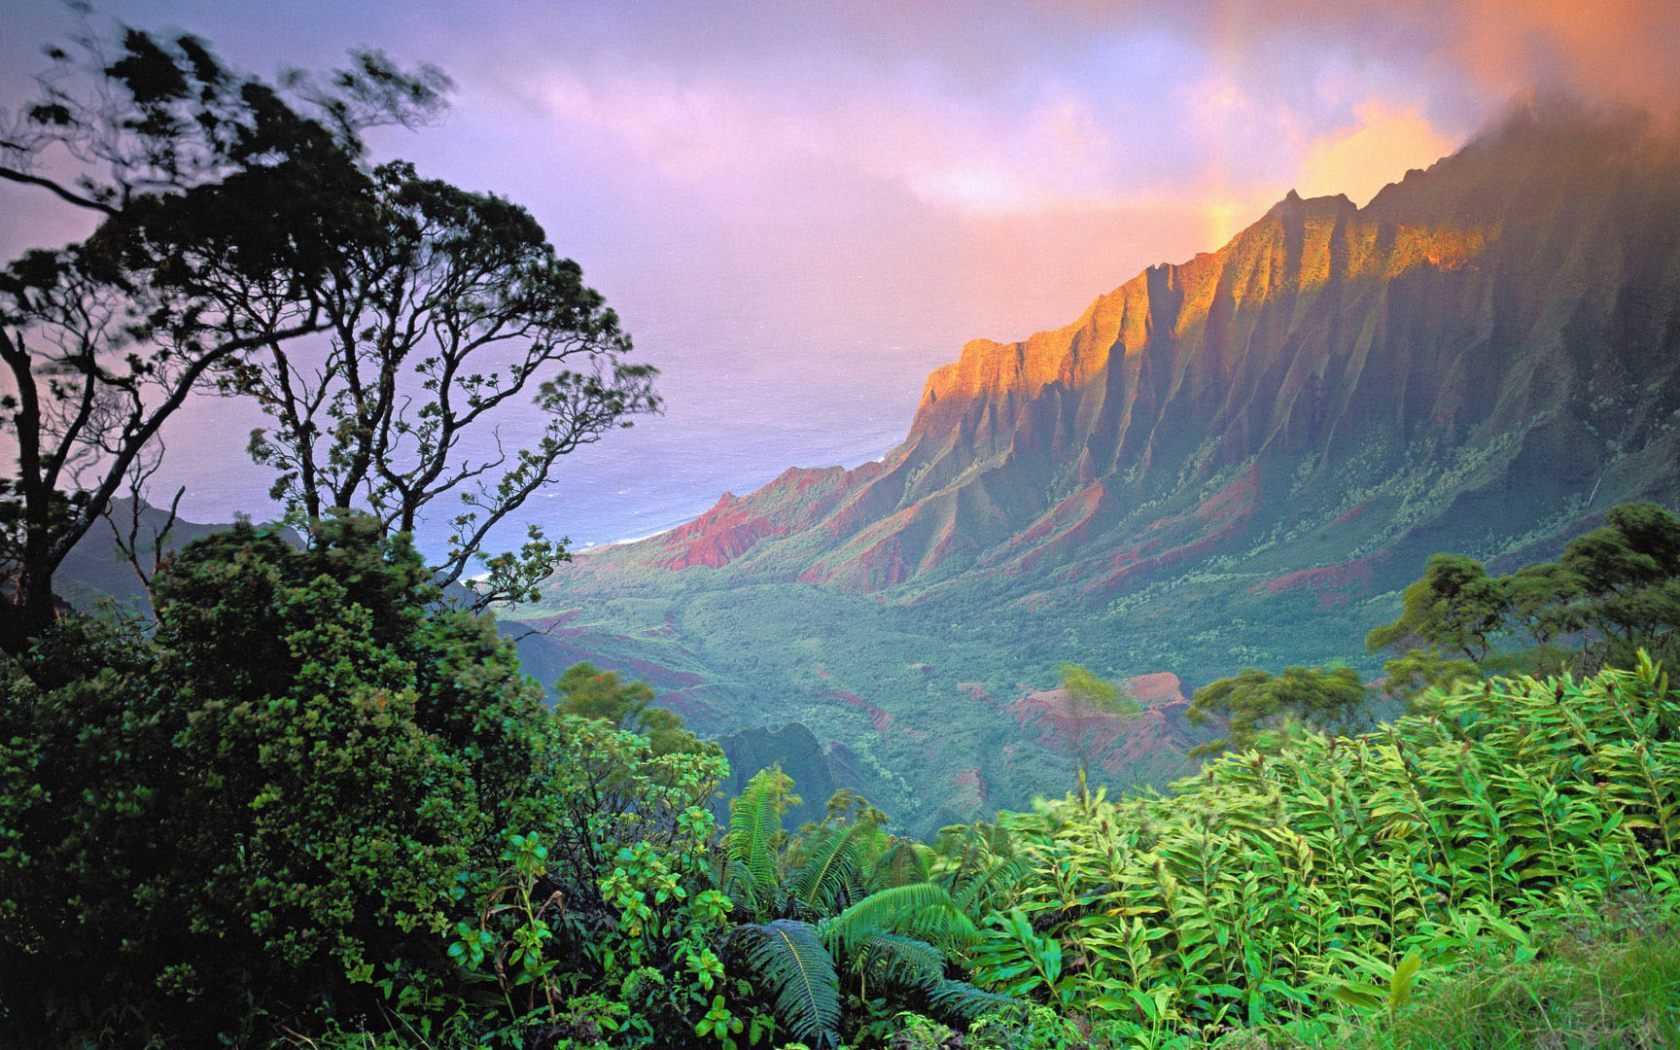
903 863
964 1002
923 909
893 958
976 894
791 959
755 823
833 862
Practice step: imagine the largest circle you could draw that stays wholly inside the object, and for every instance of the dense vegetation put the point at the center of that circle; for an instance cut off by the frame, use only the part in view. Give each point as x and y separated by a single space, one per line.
314 804
310 800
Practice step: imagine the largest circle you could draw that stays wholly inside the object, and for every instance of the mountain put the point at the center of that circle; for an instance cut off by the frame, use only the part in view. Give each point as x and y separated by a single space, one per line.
96 570
1231 461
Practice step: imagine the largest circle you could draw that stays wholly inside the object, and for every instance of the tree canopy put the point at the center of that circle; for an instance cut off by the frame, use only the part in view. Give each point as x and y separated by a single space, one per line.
586 691
245 246
220 200
1253 699
1614 590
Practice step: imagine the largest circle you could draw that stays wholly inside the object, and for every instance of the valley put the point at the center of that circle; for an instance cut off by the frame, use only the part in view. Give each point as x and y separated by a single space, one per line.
1236 461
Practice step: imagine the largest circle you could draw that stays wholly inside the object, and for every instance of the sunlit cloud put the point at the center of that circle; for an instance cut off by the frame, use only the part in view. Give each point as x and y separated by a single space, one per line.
1626 51
1386 142
948 153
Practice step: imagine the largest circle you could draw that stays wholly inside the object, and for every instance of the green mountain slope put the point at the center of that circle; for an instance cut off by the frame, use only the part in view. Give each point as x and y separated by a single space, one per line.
1232 461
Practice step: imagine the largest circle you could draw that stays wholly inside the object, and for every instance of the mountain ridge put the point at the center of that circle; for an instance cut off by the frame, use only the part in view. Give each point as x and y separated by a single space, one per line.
1232 449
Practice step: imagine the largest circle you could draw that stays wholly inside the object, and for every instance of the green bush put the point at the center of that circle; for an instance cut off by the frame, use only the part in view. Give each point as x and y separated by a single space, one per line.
244 822
1323 882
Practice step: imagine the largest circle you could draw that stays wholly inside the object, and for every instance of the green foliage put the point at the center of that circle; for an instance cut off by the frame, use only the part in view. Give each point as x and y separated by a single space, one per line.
588 692
1622 582
645 937
1615 591
277 801
1418 673
1455 606
790 957
755 838
1341 877
888 916
1325 698
1610 983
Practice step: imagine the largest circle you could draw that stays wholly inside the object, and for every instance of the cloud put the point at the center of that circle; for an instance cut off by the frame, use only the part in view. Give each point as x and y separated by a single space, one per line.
1387 141
949 150
1625 51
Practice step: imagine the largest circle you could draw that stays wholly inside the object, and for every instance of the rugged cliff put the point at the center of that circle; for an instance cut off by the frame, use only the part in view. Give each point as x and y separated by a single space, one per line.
1228 461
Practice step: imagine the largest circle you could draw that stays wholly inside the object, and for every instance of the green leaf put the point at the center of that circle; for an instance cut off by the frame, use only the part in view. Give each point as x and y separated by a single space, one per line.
791 959
1400 985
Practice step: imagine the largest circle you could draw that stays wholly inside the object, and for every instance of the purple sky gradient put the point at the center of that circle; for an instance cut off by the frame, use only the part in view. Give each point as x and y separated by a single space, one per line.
801 209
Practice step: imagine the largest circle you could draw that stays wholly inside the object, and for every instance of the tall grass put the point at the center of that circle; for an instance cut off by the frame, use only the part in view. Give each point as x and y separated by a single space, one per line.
1604 993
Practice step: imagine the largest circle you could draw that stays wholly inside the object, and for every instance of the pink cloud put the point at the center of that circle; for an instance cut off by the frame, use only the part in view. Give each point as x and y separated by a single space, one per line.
1386 142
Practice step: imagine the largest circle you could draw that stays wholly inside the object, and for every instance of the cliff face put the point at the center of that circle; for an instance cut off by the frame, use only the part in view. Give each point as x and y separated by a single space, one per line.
1231 462
1499 329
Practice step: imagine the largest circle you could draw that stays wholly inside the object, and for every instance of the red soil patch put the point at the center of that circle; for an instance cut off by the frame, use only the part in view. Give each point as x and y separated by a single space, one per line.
972 788
1155 688
717 537
548 624
975 690
662 675
1353 513
881 720
1334 584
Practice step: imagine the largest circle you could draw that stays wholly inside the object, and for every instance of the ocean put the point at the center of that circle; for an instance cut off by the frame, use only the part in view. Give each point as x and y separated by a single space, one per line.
711 438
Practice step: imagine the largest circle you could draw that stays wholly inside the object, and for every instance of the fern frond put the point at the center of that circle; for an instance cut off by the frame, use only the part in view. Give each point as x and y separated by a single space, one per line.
921 909
973 895
790 958
893 958
831 868
755 825
903 863
961 1001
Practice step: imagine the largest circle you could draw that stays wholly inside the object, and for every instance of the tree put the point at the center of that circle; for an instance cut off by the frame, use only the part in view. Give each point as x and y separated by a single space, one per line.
1613 592
589 692
455 307
1539 597
1621 582
281 796
1455 606
219 201
1085 716
1325 698
244 247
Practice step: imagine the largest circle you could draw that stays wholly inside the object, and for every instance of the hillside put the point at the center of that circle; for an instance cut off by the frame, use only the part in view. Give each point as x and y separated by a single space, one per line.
1231 461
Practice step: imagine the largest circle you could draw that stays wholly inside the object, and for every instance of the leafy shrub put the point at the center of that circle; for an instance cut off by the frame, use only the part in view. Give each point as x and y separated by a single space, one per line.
241 824
1328 878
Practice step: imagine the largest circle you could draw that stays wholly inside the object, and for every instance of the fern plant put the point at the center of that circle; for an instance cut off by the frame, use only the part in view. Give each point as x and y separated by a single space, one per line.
846 915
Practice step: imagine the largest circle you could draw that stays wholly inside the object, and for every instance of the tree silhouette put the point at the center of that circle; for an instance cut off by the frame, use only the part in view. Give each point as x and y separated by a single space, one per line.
244 246
219 201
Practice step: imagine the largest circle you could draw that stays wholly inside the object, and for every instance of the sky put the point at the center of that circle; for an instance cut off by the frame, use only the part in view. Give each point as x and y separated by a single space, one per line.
800 209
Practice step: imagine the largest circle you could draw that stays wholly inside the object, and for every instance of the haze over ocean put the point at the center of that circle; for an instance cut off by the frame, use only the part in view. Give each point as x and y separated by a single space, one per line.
656 475
800 210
